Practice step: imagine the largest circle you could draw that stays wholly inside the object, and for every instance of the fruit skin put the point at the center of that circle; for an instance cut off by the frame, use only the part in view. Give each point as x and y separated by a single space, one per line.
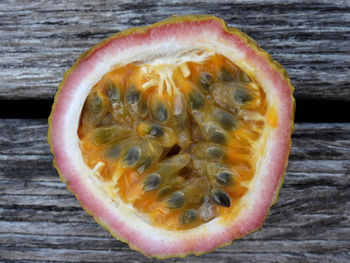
64 118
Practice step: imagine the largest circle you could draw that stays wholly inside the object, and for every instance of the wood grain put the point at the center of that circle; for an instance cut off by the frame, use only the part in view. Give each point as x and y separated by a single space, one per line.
40 40
41 221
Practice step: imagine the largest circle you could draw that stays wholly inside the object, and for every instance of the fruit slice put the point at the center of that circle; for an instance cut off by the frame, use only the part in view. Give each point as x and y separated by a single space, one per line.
176 136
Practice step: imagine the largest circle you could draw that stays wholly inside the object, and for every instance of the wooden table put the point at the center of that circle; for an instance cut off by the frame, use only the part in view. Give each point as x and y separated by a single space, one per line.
40 221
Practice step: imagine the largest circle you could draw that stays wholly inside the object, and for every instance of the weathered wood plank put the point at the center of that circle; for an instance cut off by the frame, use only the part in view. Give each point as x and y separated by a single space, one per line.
41 221
71 255
103 244
269 232
41 40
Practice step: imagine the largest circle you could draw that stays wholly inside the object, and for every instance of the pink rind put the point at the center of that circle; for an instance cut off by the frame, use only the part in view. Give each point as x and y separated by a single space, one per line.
180 27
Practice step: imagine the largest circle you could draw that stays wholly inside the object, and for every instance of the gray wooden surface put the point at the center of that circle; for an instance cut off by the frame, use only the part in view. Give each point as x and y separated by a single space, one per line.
40 40
41 221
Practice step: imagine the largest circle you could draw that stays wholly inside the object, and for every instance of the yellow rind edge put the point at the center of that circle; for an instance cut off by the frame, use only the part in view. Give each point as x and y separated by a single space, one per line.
176 19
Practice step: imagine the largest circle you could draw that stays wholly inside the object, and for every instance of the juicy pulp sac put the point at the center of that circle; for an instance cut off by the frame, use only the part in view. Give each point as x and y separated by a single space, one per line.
177 141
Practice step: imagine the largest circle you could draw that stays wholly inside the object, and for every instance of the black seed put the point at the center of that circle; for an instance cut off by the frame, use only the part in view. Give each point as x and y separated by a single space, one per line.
95 109
190 216
224 178
227 120
196 99
156 131
95 104
218 137
225 75
152 182
220 197
214 152
205 80
114 152
133 95
176 200
113 92
132 156
242 96
160 112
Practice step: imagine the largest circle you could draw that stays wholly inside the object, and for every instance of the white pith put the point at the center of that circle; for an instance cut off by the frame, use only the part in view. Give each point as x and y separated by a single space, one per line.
161 69
164 56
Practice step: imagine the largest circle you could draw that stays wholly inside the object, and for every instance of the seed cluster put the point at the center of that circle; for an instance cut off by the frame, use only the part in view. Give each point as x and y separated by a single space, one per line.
180 157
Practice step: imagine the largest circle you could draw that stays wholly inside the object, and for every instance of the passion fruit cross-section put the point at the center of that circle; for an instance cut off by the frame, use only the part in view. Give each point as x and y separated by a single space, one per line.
178 141
174 137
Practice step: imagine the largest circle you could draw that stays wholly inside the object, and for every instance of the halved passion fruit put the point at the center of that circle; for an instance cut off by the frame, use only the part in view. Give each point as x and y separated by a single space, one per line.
176 136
